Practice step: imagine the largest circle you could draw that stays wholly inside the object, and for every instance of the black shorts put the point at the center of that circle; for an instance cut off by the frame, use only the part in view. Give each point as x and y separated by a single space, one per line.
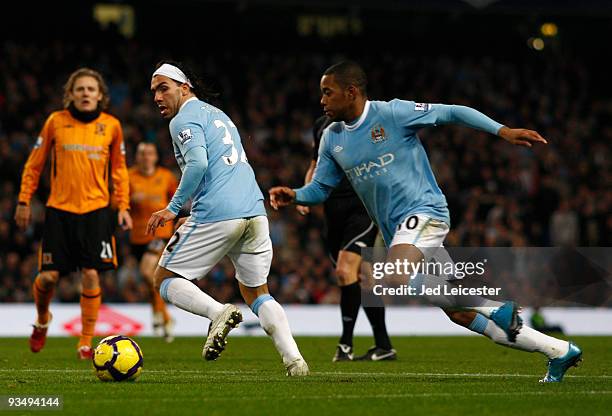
74 241
348 226
156 247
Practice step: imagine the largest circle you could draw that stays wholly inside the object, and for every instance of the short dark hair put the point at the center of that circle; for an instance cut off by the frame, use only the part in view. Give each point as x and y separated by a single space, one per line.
349 73
199 88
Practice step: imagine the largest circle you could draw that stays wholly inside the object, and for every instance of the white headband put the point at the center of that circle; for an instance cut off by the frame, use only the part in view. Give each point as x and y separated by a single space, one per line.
174 73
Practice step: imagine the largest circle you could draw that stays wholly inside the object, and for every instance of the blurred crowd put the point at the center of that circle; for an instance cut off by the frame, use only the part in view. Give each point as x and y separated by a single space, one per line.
498 194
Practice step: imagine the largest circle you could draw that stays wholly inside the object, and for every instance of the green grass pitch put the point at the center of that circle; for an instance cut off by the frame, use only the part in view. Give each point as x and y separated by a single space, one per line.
433 375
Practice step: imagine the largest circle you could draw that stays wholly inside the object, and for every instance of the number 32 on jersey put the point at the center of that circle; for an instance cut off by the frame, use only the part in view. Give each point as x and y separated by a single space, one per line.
232 159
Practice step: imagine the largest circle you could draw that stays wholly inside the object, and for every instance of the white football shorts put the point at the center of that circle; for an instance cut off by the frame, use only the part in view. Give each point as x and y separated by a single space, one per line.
427 234
195 249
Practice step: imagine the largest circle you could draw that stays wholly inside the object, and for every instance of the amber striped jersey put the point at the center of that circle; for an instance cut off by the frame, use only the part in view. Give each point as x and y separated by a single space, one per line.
80 157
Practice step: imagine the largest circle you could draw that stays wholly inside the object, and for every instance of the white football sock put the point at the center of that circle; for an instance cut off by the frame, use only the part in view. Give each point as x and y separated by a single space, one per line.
274 321
187 296
528 339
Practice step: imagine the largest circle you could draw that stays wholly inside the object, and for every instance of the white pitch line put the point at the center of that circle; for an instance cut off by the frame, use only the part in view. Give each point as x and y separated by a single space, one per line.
362 396
318 373
404 374
169 371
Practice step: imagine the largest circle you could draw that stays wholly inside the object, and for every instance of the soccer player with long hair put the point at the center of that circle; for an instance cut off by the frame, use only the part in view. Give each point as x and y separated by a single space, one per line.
228 217
83 141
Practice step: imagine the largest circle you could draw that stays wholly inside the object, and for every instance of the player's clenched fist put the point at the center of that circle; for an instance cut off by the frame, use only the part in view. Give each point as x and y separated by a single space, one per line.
281 196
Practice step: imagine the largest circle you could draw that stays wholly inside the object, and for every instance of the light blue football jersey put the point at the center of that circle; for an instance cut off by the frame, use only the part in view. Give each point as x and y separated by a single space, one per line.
228 189
384 160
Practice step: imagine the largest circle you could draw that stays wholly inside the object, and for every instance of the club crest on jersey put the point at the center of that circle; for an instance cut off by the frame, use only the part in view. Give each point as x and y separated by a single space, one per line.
185 135
100 129
377 134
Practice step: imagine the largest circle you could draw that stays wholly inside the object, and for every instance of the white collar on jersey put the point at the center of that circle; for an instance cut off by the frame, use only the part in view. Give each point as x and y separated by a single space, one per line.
361 119
189 99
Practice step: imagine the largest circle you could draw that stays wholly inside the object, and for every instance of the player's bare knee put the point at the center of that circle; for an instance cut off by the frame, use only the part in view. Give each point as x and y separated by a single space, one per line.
347 268
90 278
147 274
48 278
463 318
144 271
249 294
346 275
148 265
158 278
160 275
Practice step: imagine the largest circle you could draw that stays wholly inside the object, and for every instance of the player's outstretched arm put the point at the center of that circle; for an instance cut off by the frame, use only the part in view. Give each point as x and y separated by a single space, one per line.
473 118
438 114
312 194
520 137
281 196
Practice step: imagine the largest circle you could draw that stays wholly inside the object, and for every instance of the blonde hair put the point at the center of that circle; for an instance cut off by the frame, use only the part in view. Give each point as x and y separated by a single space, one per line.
86 72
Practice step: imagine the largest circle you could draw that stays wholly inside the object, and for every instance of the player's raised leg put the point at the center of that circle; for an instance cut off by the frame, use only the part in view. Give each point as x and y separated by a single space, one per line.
561 354
187 296
43 289
504 314
193 250
496 320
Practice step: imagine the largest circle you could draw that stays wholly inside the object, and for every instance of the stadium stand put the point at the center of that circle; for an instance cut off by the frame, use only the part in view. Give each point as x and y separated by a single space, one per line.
498 195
